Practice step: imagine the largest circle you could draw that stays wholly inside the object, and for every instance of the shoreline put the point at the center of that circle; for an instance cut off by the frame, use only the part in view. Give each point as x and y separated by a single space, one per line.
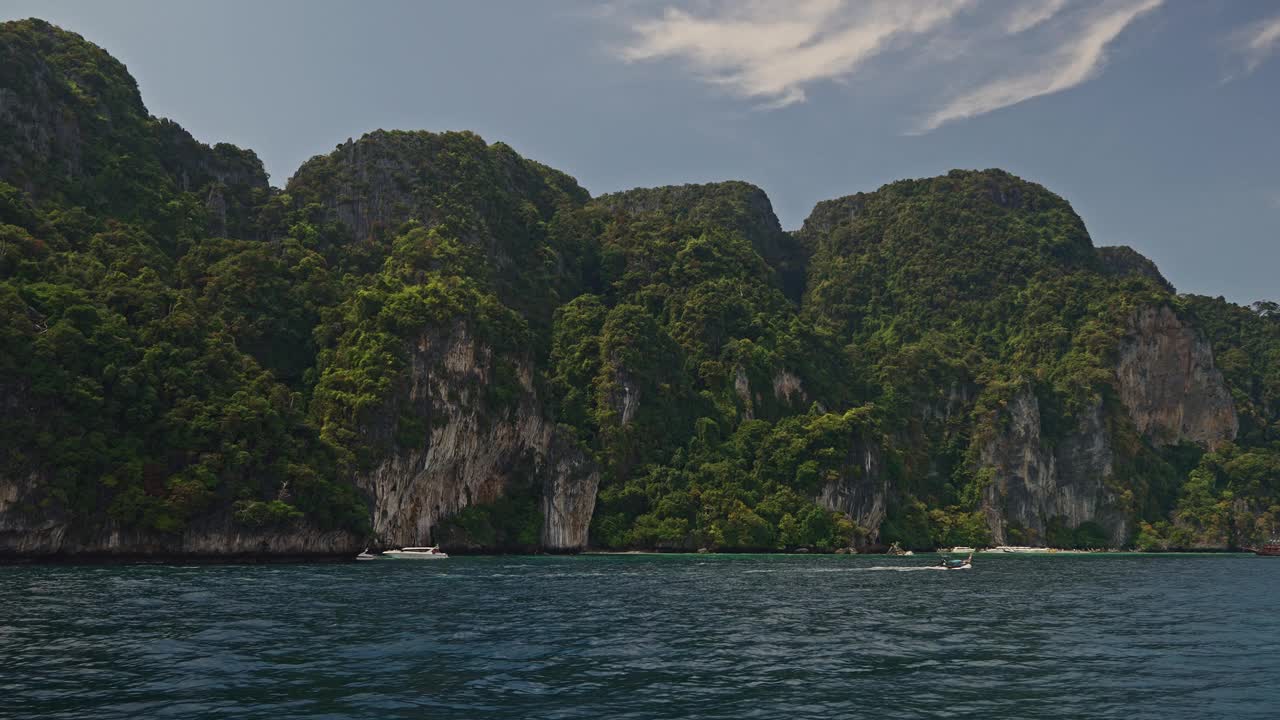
92 559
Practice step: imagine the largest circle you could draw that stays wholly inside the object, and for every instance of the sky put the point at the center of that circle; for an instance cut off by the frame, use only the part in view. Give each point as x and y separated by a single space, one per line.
1157 119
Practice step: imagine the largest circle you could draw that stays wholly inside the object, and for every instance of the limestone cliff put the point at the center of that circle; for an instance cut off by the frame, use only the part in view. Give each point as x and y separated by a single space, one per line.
1122 260
734 205
471 452
385 178
32 528
445 440
1169 384
427 337
73 125
1033 483
570 481
1169 389
861 491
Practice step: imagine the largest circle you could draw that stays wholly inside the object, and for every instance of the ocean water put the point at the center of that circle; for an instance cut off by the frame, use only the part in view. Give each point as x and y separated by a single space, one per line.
643 636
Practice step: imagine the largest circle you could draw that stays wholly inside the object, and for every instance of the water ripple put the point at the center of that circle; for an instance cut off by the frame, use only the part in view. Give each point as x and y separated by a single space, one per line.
646 637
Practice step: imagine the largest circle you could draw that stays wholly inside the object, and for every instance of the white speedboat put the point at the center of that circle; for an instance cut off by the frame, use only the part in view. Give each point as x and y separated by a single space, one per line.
416 553
366 555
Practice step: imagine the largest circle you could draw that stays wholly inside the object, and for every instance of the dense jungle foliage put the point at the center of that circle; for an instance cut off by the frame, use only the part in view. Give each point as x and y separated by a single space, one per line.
179 340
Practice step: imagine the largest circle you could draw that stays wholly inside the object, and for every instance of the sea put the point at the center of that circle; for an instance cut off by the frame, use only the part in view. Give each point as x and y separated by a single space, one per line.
647 636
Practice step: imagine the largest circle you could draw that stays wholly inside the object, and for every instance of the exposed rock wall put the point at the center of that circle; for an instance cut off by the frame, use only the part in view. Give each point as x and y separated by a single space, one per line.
33 130
570 482
788 388
742 388
1122 260
63 100
1168 382
1034 483
24 534
472 453
862 489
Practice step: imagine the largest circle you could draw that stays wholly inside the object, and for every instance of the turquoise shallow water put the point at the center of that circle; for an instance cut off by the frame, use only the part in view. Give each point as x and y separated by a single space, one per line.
646 637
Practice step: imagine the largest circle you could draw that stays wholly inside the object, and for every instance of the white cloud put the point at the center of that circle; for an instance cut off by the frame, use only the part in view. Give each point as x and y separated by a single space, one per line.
1259 42
981 56
1074 61
1032 14
771 51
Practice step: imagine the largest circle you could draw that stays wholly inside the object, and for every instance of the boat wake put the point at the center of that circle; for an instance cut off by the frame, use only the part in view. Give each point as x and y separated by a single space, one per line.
892 568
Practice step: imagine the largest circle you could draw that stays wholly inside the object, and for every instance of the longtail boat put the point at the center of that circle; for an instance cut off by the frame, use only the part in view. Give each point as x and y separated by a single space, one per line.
1270 549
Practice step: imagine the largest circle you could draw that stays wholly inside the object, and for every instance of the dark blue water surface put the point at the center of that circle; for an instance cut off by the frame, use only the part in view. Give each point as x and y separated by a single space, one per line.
1114 636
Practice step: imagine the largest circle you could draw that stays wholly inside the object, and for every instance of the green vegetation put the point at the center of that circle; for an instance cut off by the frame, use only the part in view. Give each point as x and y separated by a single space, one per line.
179 341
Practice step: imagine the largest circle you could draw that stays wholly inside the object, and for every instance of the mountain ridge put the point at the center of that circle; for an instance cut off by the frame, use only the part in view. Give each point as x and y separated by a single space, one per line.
424 337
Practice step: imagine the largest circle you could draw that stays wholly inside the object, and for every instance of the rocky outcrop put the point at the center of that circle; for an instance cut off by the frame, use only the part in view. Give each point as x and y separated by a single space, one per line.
386 178
472 452
625 397
25 534
1168 382
230 180
32 130
1122 260
735 206
862 489
570 481
1033 484
66 105
1170 389
742 388
788 388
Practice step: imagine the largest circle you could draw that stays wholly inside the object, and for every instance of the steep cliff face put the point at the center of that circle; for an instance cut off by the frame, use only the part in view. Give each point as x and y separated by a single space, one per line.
387 177
861 490
1169 384
430 306
73 124
53 102
1122 260
31 528
471 452
1033 483
570 482
229 180
736 206
1170 389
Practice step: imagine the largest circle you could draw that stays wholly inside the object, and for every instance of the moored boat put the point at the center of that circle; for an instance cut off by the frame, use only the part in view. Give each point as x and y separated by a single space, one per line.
416 553
1269 549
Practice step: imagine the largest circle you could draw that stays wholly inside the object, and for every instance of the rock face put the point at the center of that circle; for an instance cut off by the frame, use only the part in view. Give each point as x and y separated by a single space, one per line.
1034 484
473 453
734 205
1121 260
1169 384
788 388
388 177
570 481
66 106
862 489
1171 390
26 534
